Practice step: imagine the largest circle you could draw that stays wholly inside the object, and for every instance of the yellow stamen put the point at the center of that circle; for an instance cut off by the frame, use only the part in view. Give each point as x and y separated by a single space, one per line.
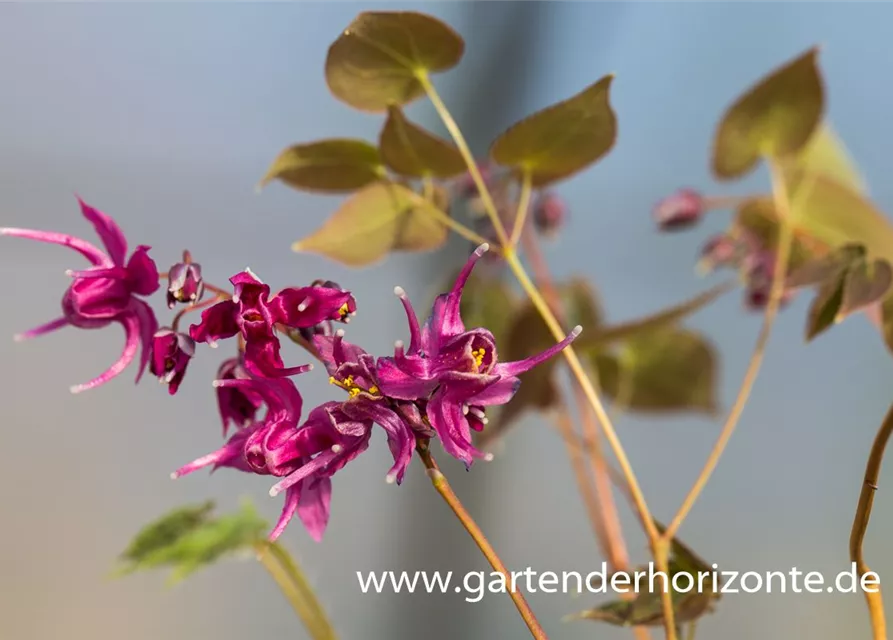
344 310
479 356
373 389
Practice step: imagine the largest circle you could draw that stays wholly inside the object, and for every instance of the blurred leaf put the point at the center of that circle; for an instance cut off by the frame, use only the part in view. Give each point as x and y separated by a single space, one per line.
866 283
836 215
665 370
887 322
381 218
167 530
335 165
185 549
824 307
411 151
377 60
581 305
775 118
825 268
488 302
560 140
825 155
605 335
647 609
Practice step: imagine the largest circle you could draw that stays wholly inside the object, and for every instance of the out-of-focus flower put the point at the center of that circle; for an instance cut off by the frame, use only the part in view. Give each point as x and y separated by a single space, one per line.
454 370
759 268
679 210
171 353
549 213
104 293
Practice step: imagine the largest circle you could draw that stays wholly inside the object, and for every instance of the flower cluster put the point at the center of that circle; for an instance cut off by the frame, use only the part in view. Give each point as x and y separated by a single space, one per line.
437 386
739 248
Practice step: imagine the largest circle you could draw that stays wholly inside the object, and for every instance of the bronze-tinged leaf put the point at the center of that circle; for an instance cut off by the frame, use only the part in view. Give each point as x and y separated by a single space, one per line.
560 140
581 306
825 268
381 218
834 214
887 322
757 217
824 155
866 283
409 150
824 307
608 334
378 60
775 118
661 371
335 166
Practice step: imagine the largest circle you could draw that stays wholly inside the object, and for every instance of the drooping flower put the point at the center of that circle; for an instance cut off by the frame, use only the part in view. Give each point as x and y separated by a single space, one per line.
171 353
679 210
758 270
549 213
184 282
105 292
238 406
353 370
254 314
304 456
456 371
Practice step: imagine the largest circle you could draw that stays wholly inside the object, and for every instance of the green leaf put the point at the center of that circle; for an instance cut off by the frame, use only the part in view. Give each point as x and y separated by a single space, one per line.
834 214
411 151
757 217
825 155
828 267
185 548
381 218
608 334
665 370
866 284
824 307
560 140
378 60
775 118
333 166
488 302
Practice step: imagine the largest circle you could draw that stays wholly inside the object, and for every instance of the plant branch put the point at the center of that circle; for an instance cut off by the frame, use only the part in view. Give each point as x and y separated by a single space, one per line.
297 590
785 239
446 220
523 206
462 145
439 481
860 524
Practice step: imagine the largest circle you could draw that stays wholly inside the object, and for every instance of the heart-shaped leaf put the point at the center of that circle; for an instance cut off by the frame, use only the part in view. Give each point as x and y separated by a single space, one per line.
866 283
666 370
378 60
560 140
336 165
381 218
411 151
828 267
824 308
757 218
775 118
824 155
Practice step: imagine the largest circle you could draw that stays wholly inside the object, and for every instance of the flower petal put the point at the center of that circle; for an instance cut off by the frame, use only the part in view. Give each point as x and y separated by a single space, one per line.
396 383
132 329
308 306
520 366
289 507
217 323
43 329
445 415
108 231
314 507
401 439
91 253
142 273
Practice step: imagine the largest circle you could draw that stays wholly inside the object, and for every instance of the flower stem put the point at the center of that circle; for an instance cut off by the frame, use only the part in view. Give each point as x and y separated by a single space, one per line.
860 524
193 307
446 492
785 239
446 220
297 590
523 206
462 145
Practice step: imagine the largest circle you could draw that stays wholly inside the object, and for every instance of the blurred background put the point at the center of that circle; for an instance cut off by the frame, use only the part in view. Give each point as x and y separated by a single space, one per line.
166 115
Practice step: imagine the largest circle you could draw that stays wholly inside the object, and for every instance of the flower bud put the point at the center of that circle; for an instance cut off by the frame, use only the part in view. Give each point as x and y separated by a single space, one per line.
184 283
721 251
171 353
759 269
549 213
679 210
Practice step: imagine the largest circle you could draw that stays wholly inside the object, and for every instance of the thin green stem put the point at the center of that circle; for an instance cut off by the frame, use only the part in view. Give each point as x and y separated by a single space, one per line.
439 481
462 145
785 240
523 206
860 524
446 220
297 590
692 628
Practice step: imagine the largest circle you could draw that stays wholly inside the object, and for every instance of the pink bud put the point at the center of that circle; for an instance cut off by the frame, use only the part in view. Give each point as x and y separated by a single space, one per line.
679 210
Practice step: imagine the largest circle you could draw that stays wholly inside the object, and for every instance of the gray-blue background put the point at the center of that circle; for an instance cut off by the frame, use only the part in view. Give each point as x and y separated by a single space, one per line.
165 116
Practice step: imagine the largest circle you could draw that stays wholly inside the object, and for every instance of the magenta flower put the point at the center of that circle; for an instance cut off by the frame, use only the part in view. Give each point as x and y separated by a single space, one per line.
457 372
679 210
171 353
305 456
253 314
184 283
238 406
105 292
759 269
549 213
353 370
